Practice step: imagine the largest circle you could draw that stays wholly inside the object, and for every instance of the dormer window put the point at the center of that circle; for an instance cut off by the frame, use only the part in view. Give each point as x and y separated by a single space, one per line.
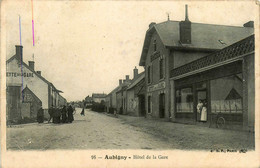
154 45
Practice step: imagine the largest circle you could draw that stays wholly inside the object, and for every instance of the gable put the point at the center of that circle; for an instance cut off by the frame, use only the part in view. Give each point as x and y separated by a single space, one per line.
29 96
16 70
204 37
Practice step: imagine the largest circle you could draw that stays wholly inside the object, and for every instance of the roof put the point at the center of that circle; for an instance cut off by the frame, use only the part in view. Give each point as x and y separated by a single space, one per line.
114 90
203 36
124 86
38 75
136 81
24 64
99 95
241 48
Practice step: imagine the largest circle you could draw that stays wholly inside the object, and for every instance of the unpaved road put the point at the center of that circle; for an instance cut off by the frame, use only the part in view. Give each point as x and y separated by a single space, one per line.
101 131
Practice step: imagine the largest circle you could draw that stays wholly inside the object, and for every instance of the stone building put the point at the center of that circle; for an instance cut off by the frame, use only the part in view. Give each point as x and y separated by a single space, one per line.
135 95
98 97
172 44
26 86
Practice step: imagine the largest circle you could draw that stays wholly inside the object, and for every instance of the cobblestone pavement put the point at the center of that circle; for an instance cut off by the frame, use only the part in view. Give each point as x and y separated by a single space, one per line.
102 131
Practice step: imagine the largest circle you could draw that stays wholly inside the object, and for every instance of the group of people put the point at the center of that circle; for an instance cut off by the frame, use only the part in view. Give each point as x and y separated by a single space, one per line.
63 114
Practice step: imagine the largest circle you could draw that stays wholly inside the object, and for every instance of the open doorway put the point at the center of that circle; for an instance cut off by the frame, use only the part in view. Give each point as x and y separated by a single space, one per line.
162 105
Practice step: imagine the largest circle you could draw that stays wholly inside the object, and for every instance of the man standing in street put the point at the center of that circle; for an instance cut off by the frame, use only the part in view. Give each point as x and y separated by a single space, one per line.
40 115
64 114
50 111
70 114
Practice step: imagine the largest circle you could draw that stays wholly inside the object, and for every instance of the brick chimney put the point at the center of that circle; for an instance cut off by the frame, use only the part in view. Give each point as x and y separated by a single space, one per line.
120 82
39 72
135 72
19 52
151 24
31 64
249 24
185 29
127 77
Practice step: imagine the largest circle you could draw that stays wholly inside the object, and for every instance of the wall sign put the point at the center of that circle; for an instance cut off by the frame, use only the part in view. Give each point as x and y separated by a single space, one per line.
155 87
15 74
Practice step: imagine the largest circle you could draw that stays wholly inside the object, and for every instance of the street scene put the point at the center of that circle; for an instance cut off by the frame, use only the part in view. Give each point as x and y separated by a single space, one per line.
129 75
105 131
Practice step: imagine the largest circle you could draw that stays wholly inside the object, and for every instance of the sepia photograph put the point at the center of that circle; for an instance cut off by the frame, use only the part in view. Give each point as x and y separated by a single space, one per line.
139 83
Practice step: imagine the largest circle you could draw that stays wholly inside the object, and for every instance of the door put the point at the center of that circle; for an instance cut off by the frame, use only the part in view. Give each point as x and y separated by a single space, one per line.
141 105
13 95
201 102
162 105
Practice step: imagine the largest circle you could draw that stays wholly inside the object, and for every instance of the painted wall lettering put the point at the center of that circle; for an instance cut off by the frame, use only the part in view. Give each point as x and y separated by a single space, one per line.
15 74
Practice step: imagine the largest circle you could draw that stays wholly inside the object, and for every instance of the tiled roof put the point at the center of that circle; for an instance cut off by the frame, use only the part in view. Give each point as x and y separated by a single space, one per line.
38 75
203 36
99 95
136 81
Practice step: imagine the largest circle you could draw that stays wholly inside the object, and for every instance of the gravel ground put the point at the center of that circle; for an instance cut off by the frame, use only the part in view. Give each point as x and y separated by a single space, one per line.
102 131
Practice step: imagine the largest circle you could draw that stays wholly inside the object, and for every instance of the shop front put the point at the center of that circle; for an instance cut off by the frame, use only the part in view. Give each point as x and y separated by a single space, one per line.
202 96
218 85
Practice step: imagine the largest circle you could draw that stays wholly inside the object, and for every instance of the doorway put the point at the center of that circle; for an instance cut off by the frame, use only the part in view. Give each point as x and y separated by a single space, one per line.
162 105
201 102
141 105
13 96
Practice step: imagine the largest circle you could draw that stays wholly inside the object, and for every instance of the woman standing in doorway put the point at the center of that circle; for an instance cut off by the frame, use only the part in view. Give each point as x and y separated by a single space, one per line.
204 112
199 109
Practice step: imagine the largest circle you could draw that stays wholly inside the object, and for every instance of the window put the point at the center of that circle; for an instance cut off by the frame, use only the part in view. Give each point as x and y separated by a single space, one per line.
161 68
149 104
154 45
184 100
149 74
227 99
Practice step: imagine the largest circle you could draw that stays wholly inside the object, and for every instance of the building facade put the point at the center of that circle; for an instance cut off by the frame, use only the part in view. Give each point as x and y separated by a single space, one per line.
135 96
25 85
172 44
98 97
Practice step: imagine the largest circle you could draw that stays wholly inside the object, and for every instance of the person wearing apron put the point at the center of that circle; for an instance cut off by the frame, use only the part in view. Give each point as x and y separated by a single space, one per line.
204 112
199 109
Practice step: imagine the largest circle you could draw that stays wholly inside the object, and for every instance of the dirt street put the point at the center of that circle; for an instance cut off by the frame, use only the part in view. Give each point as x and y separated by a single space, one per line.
101 131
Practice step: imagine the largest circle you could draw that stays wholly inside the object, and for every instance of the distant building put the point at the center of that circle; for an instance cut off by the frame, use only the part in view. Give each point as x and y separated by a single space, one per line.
136 95
98 97
111 101
129 96
27 88
121 96
88 100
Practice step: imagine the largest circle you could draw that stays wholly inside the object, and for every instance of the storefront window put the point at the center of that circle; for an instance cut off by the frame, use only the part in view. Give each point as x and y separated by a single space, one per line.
184 100
226 94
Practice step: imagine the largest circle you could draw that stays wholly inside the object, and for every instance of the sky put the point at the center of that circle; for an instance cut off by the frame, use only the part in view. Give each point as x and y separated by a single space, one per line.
85 47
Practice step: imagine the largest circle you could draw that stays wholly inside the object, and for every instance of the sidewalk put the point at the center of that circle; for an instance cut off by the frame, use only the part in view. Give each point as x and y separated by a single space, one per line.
192 136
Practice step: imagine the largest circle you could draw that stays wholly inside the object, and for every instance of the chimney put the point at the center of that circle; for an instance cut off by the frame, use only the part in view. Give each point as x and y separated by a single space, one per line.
249 24
120 82
151 24
127 77
39 72
31 64
124 81
19 52
185 29
135 72
186 13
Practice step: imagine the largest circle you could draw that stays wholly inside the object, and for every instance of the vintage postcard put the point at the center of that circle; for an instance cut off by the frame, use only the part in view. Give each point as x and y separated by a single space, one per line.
129 83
